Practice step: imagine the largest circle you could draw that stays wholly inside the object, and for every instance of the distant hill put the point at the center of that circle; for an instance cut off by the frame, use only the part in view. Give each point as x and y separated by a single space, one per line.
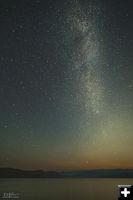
17 173
101 173
97 173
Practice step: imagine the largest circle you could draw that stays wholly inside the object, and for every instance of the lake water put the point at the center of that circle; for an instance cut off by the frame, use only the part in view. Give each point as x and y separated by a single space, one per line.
63 189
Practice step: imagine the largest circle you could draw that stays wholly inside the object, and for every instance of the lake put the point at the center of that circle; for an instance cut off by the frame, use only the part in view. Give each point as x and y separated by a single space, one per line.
62 189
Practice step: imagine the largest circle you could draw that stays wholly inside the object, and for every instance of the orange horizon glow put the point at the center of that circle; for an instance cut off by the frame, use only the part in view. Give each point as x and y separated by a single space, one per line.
54 165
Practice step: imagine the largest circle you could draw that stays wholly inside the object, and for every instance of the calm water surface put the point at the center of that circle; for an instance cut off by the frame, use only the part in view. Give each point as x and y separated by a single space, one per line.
63 189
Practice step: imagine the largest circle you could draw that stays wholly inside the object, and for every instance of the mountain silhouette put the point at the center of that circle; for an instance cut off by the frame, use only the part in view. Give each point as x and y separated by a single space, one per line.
96 173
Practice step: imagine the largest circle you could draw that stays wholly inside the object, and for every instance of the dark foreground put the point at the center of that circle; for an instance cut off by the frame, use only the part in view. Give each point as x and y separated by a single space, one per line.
62 189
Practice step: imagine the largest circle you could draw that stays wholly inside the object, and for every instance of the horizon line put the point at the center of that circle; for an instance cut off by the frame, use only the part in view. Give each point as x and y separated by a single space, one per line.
72 170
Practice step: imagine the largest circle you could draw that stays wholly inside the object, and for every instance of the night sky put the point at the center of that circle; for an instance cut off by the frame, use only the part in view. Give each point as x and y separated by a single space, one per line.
66 84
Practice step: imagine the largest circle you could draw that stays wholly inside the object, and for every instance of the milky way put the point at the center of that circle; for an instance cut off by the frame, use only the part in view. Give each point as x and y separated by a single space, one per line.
87 61
66 84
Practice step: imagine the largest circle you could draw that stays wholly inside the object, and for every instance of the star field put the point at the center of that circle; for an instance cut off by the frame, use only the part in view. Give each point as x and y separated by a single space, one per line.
66 84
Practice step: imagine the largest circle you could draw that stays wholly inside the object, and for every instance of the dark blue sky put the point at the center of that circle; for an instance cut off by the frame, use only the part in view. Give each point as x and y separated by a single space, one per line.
66 84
